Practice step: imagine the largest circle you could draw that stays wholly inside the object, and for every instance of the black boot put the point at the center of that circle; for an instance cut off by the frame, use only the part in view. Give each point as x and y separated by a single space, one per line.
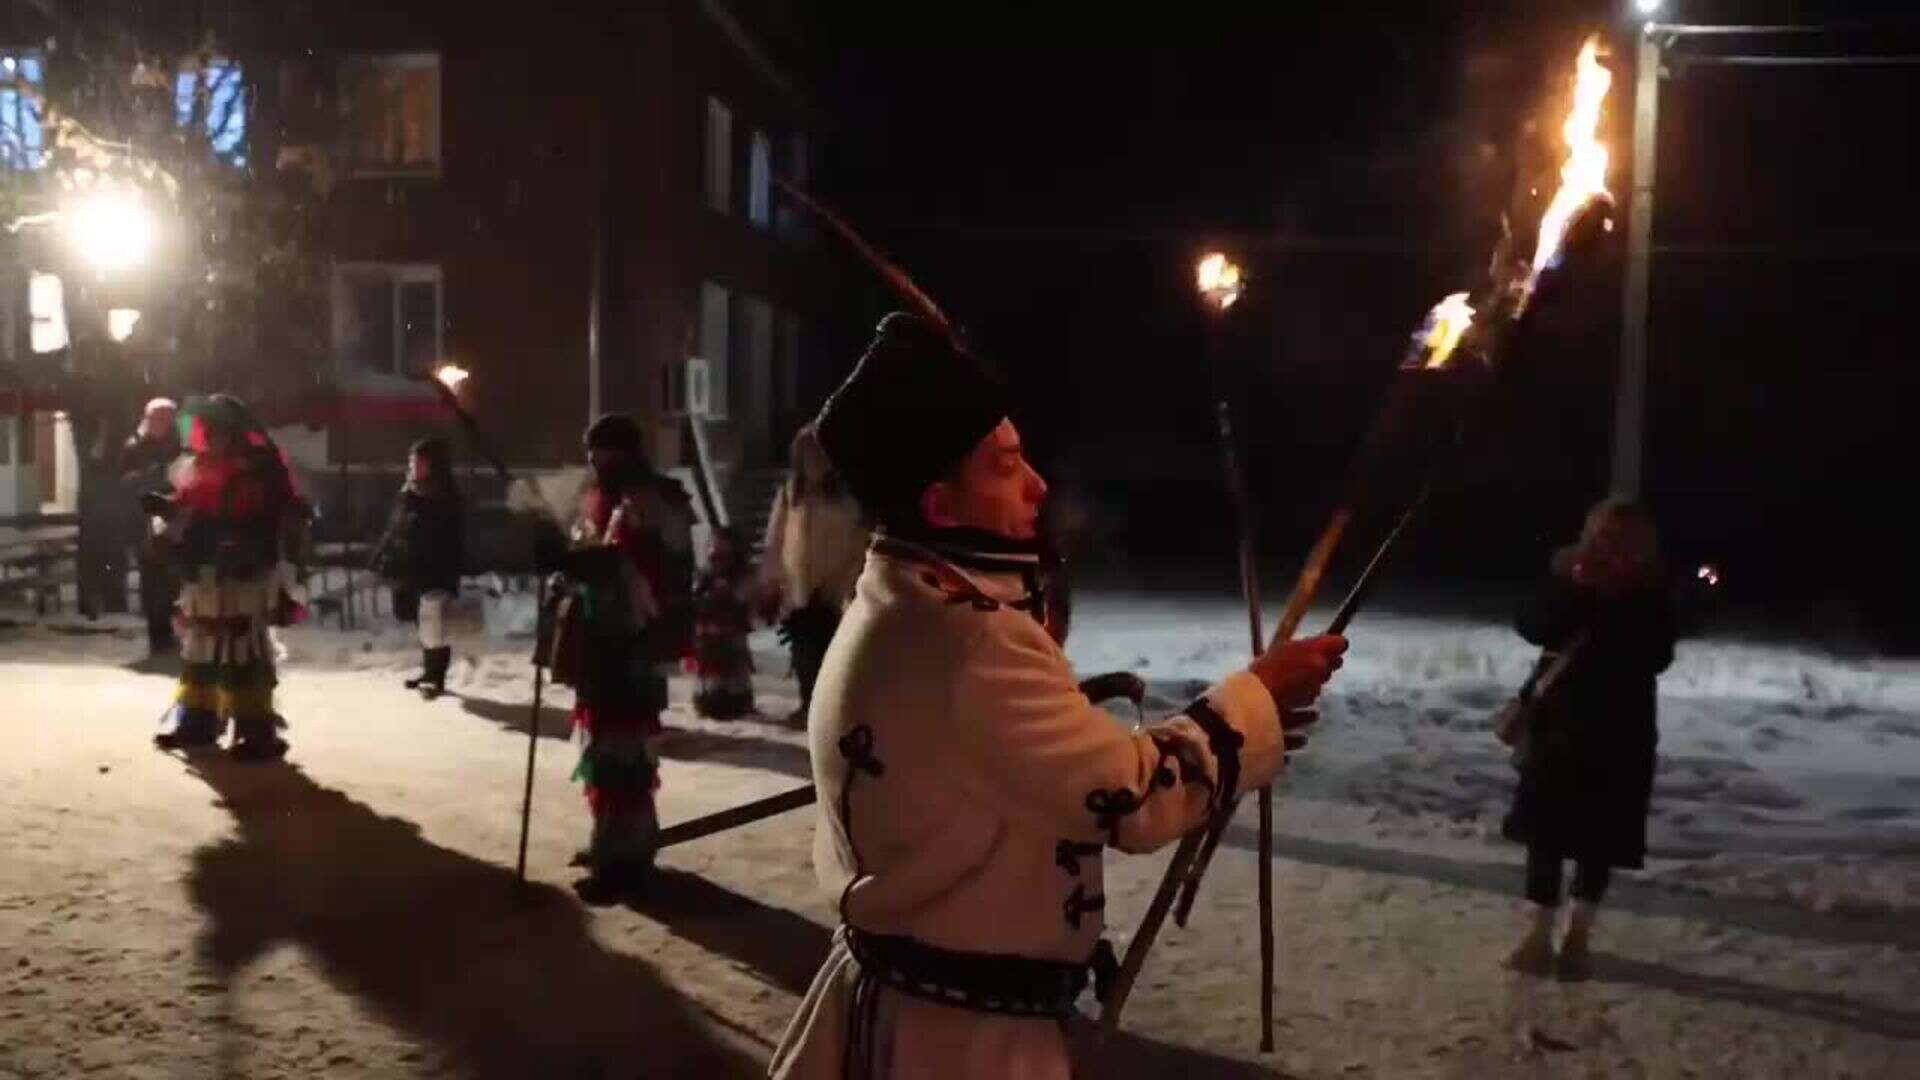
433 682
426 670
257 738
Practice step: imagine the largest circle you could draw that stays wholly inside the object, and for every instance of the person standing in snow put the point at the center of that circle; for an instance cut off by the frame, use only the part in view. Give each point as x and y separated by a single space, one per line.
723 602
422 555
967 786
1586 778
233 524
144 462
629 569
815 547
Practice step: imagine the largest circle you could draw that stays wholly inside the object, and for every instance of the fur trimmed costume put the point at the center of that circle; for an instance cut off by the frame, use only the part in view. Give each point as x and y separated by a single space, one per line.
722 619
629 571
232 527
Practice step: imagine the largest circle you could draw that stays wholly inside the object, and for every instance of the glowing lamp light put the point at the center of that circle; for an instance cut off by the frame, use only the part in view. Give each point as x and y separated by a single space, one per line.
452 375
1220 281
120 323
1647 8
1709 574
110 229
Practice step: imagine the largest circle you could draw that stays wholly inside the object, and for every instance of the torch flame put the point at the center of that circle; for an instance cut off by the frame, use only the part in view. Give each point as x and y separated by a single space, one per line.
1446 324
1584 175
1220 280
451 375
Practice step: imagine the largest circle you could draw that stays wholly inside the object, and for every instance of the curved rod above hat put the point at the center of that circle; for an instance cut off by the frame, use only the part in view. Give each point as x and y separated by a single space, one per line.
913 294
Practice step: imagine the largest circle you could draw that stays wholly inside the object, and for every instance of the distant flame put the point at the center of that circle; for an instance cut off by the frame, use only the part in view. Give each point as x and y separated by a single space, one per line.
452 375
1446 324
1220 280
1709 574
1584 176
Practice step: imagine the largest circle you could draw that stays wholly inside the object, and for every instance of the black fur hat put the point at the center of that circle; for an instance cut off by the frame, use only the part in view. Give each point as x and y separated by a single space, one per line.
914 407
613 431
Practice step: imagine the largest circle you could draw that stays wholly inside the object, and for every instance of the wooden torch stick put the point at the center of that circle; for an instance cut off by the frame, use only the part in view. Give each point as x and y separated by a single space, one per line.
1250 592
1181 865
1305 588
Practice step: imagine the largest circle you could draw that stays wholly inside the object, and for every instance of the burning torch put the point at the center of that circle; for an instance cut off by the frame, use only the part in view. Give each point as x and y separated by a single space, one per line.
1460 326
1221 283
446 382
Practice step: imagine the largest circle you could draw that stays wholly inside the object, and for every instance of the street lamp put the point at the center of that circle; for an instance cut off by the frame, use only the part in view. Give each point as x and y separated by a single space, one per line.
120 323
109 229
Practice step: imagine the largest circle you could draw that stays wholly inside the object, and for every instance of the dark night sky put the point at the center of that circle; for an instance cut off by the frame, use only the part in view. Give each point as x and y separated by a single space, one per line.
1050 177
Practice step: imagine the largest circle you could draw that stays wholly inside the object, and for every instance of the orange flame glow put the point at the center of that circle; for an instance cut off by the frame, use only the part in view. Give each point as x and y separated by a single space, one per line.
1446 324
452 375
1220 281
1584 175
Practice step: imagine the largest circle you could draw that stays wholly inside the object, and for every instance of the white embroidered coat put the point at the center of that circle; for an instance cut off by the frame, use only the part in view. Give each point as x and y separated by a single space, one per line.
967 789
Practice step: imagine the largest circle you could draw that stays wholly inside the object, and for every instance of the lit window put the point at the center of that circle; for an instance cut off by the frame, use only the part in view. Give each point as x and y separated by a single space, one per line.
759 179
22 139
47 307
213 99
392 106
387 318
719 156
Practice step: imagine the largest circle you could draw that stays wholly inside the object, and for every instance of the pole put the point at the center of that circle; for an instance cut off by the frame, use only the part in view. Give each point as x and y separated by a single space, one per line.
1630 406
533 738
735 816
1250 591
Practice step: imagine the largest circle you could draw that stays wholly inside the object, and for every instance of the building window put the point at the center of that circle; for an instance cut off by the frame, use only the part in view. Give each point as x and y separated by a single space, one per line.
752 367
786 385
759 180
47 308
719 156
713 349
673 387
392 113
212 99
791 220
22 139
387 318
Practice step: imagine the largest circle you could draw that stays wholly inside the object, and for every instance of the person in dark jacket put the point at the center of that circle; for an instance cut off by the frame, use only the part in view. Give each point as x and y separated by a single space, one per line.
1586 779
144 462
423 554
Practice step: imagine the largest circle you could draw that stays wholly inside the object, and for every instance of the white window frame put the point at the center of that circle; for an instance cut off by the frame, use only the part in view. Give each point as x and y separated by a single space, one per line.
715 345
404 61
397 274
719 156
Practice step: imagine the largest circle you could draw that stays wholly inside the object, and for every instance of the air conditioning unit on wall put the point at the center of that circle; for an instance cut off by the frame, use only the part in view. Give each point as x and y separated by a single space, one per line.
699 386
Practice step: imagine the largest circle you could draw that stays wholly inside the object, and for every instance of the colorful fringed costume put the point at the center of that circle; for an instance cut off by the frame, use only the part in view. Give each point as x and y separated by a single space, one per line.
625 572
232 526
722 618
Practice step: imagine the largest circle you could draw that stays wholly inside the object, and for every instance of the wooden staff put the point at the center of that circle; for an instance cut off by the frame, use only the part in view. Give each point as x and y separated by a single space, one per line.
478 441
1250 592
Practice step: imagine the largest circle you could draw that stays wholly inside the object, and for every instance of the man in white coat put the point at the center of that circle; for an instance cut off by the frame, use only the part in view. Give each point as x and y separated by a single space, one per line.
967 786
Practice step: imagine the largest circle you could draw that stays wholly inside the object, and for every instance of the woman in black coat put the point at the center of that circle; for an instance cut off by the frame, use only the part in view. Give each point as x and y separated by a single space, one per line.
422 555
1587 777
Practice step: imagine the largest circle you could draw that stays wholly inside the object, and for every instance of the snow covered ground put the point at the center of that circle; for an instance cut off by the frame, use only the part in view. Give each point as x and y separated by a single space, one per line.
355 915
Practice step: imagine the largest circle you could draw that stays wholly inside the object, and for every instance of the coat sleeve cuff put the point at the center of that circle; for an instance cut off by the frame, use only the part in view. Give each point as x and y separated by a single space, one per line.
1243 701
